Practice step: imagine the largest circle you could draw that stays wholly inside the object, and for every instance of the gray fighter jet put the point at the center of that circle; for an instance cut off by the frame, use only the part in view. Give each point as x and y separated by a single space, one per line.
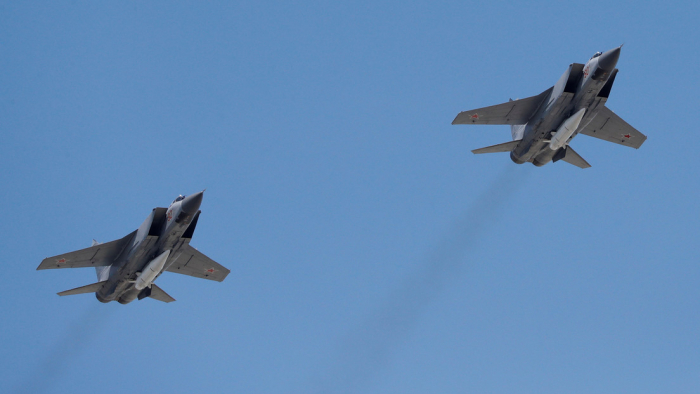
126 268
542 126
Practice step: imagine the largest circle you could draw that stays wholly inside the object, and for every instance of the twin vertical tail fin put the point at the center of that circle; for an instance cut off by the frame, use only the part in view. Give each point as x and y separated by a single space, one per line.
102 271
515 128
515 113
517 131
102 275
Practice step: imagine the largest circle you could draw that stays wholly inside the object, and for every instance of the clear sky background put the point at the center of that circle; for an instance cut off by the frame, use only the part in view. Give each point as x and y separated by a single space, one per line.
370 251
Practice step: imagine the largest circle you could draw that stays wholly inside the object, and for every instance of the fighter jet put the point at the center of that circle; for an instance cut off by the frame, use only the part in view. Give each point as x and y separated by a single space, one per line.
543 126
126 268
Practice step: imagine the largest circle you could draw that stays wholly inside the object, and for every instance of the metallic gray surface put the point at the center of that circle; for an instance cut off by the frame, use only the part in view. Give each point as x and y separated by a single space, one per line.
581 87
608 60
192 202
163 230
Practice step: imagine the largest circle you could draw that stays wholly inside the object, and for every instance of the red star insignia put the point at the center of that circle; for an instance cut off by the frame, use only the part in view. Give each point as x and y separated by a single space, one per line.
210 270
475 116
61 261
627 136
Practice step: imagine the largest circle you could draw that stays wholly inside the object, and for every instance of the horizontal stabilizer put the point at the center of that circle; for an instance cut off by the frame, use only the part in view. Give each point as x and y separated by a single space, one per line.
504 147
158 294
92 288
571 157
515 112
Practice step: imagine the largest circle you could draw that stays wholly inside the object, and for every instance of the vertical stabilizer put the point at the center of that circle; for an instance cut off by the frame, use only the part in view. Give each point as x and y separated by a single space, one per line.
517 131
103 271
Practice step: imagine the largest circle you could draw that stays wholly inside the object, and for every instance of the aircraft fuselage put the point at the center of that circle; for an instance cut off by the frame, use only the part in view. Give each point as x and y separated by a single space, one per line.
150 242
588 91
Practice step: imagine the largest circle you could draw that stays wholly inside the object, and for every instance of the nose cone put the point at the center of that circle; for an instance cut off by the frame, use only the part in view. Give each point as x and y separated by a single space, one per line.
192 202
608 60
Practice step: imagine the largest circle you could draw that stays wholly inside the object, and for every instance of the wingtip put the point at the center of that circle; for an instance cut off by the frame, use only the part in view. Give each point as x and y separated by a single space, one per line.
228 271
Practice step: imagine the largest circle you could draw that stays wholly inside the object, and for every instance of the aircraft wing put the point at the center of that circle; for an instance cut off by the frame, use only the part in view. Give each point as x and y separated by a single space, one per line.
94 256
609 127
512 112
194 263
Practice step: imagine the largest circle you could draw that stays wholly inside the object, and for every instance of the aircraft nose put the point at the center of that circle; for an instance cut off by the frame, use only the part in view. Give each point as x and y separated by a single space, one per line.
192 202
608 60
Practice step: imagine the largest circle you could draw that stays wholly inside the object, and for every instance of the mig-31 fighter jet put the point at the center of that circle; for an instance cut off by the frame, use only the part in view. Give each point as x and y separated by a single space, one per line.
542 126
126 268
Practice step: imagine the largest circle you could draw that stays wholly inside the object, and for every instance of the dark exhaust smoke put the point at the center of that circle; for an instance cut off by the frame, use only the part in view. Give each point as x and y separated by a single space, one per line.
367 350
78 337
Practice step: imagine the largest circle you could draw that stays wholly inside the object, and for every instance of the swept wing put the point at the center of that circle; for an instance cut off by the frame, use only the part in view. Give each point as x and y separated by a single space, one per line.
609 127
94 256
194 263
512 112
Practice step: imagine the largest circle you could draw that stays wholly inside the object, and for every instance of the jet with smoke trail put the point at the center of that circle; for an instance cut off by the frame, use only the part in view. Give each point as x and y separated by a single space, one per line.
126 268
542 126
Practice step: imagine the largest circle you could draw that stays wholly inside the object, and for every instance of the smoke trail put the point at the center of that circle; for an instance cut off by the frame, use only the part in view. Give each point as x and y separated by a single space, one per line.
367 351
71 344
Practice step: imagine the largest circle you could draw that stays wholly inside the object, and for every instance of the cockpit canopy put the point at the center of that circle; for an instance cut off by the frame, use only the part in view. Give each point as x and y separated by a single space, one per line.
179 198
596 55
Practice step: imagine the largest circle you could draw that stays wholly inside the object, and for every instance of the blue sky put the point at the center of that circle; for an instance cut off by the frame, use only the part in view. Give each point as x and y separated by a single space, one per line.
370 251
